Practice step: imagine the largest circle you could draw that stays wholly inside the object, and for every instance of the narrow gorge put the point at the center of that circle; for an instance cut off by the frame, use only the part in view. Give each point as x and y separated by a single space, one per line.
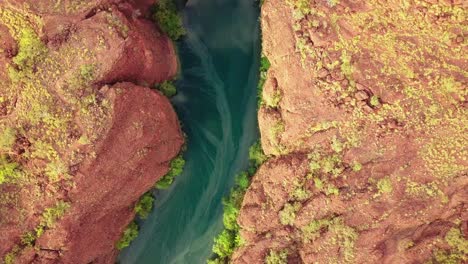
233 131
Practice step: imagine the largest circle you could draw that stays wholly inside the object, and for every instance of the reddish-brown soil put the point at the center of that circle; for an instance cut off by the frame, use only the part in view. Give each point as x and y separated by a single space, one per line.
110 139
364 117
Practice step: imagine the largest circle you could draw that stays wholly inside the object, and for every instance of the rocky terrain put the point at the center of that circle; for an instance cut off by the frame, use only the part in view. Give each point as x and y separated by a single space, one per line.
364 117
81 135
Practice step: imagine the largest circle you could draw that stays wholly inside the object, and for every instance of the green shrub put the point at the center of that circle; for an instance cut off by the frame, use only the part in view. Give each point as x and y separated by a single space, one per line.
144 206
216 261
232 206
243 180
30 49
275 257
264 67
301 194
168 19
288 214
130 233
7 138
229 239
28 239
11 256
230 216
311 231
48 219
256 154
55 170
374 101
385 185
51 215
457 242
264 64
167 88
225 244
8 170
176 168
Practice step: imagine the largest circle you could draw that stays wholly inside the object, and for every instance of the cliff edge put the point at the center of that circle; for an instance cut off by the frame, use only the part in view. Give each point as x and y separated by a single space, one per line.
364 117
81 135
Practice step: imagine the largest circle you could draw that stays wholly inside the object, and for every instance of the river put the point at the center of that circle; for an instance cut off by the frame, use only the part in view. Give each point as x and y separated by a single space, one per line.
217 107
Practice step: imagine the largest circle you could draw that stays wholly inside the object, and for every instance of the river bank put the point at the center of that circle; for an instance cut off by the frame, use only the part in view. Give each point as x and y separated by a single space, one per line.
216 103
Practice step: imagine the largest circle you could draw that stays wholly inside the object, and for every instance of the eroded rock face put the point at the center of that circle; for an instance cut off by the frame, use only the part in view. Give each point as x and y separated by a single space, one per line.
364 113
83 134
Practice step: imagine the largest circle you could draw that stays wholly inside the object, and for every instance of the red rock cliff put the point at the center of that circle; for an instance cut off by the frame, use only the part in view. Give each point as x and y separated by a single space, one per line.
364 116
82 138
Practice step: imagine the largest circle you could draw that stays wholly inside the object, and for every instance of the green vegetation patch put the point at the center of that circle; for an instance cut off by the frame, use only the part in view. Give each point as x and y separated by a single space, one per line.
11 256
264 67
229 239
168 18
48 219
176 168
287 216
277 257
458 252
145 205
340 235
31 49
7 138
130 233
8 170
457 241
385 185
167 88
51 215
256 155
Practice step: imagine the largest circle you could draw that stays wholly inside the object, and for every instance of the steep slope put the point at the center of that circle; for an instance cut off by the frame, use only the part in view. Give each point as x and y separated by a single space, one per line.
81 137
364 117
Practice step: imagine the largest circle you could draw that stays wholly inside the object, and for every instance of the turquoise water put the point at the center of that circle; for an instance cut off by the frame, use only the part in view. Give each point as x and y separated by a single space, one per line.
217 106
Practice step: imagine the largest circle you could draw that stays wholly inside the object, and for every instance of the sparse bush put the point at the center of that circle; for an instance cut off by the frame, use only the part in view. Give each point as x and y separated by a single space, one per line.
264 64
225 244
48 219
356 166
301 194
11 256
264 67
30 49
229 239
311 231
288 214
374 101
168 19
232 206
8 170
51 215
167 88
176 168
216 261
128 236
385 185
243 180
28 239
7 138
144 206
256 154
55 170
275 257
